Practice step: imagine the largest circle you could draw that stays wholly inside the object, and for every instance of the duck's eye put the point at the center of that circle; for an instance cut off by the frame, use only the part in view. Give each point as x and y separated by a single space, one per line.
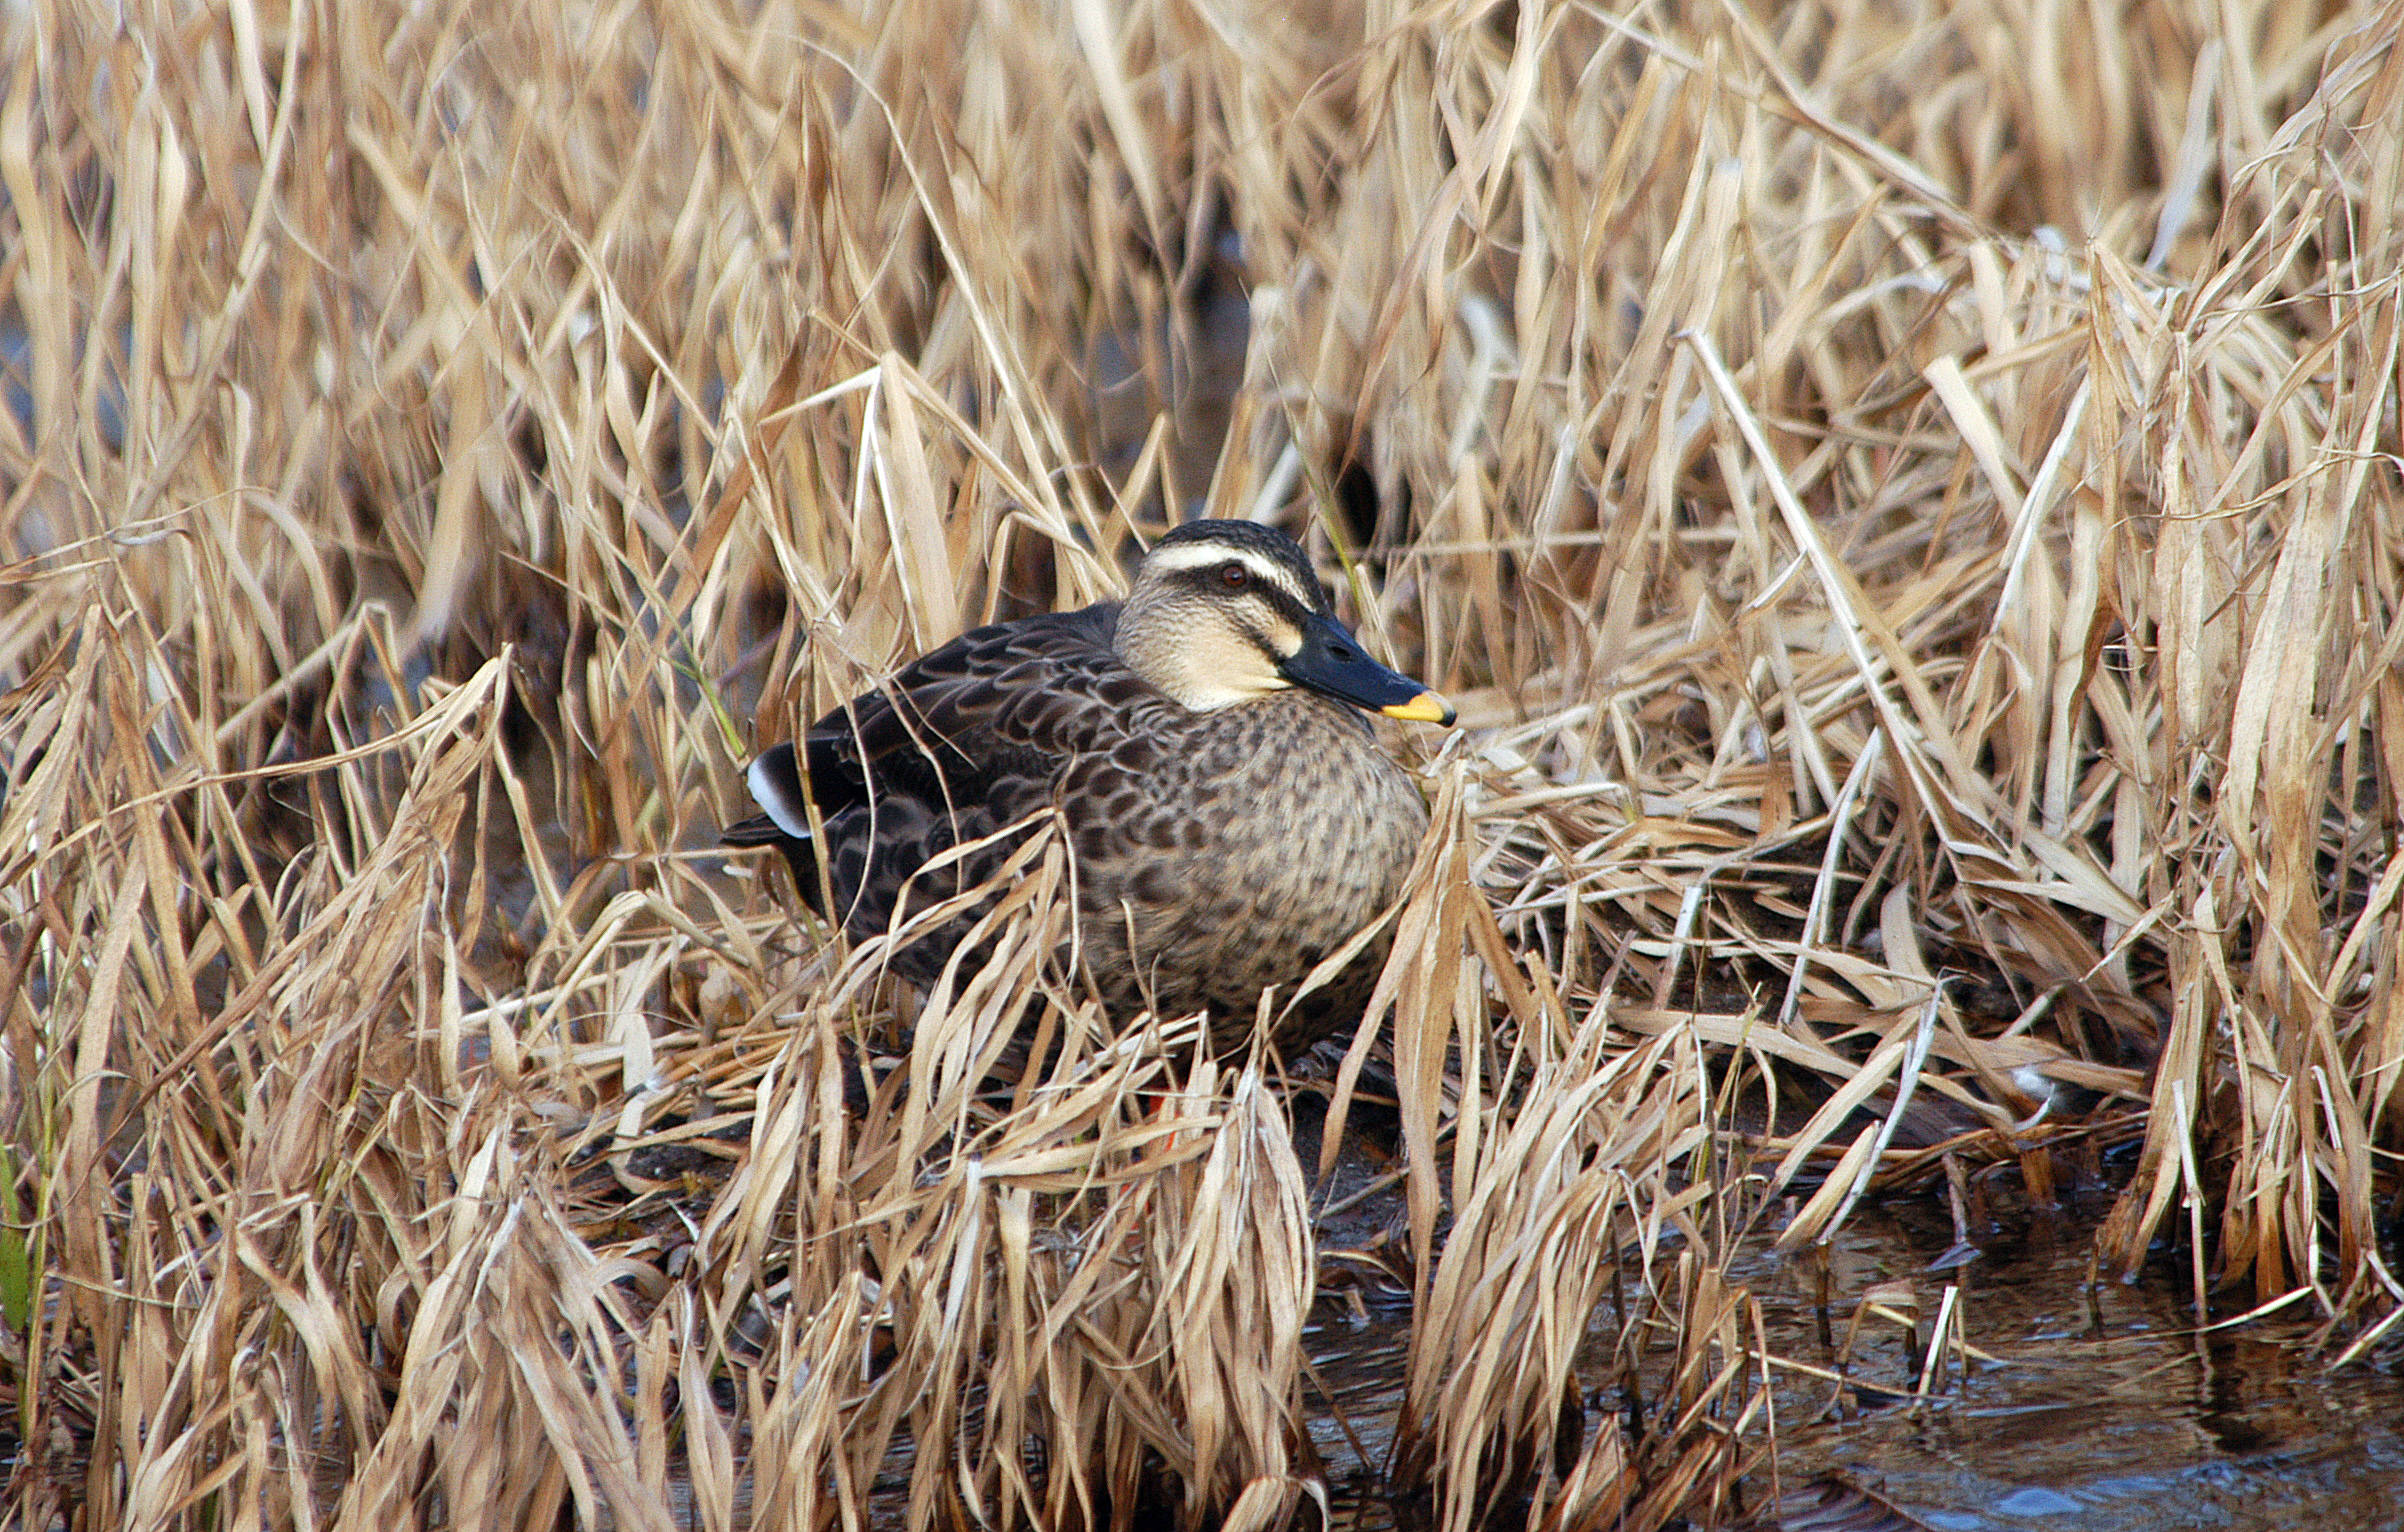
1234 575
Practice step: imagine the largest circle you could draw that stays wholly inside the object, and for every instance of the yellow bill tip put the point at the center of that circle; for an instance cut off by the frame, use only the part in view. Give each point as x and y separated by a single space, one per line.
1427 707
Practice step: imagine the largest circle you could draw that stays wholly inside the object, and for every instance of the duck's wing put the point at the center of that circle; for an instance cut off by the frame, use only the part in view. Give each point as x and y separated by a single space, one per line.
996 703
966 739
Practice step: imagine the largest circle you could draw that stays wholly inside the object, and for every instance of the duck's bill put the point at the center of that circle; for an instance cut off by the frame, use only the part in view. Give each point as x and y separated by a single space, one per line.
1427 707
1330 661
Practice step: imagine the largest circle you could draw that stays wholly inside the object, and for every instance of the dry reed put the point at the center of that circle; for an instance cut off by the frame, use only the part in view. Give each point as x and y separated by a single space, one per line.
1906 497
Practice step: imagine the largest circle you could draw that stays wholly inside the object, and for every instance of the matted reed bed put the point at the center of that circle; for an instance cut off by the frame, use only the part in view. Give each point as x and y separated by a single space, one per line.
1905 496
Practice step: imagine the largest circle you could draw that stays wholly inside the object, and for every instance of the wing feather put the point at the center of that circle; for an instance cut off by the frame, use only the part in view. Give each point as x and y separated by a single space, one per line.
970 738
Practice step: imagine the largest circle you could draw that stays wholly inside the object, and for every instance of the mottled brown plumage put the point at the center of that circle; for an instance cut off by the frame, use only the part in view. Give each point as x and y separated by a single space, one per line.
1232 816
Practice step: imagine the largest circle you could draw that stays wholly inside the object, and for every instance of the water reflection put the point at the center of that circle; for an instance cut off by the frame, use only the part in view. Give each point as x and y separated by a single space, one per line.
2102 1406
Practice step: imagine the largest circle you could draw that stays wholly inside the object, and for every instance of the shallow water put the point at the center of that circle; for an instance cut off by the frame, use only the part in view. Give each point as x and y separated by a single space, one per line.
2104 1407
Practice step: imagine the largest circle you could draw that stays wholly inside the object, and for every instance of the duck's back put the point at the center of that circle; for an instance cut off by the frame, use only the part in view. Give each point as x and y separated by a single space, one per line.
964 742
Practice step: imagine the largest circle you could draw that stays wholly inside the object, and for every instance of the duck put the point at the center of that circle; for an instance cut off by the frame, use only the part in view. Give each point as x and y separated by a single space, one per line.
1205 747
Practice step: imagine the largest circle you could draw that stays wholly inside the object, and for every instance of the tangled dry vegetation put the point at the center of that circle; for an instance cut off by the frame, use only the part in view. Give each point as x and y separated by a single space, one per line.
1906 496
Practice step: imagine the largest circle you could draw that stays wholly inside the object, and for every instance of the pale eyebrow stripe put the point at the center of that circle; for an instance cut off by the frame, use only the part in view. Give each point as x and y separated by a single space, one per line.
1190 556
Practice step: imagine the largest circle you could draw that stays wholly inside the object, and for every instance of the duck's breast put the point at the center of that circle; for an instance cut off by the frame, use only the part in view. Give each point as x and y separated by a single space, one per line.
1240 855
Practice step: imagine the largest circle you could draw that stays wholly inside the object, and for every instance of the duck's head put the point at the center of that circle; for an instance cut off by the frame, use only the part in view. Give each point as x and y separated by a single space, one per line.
1229 611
